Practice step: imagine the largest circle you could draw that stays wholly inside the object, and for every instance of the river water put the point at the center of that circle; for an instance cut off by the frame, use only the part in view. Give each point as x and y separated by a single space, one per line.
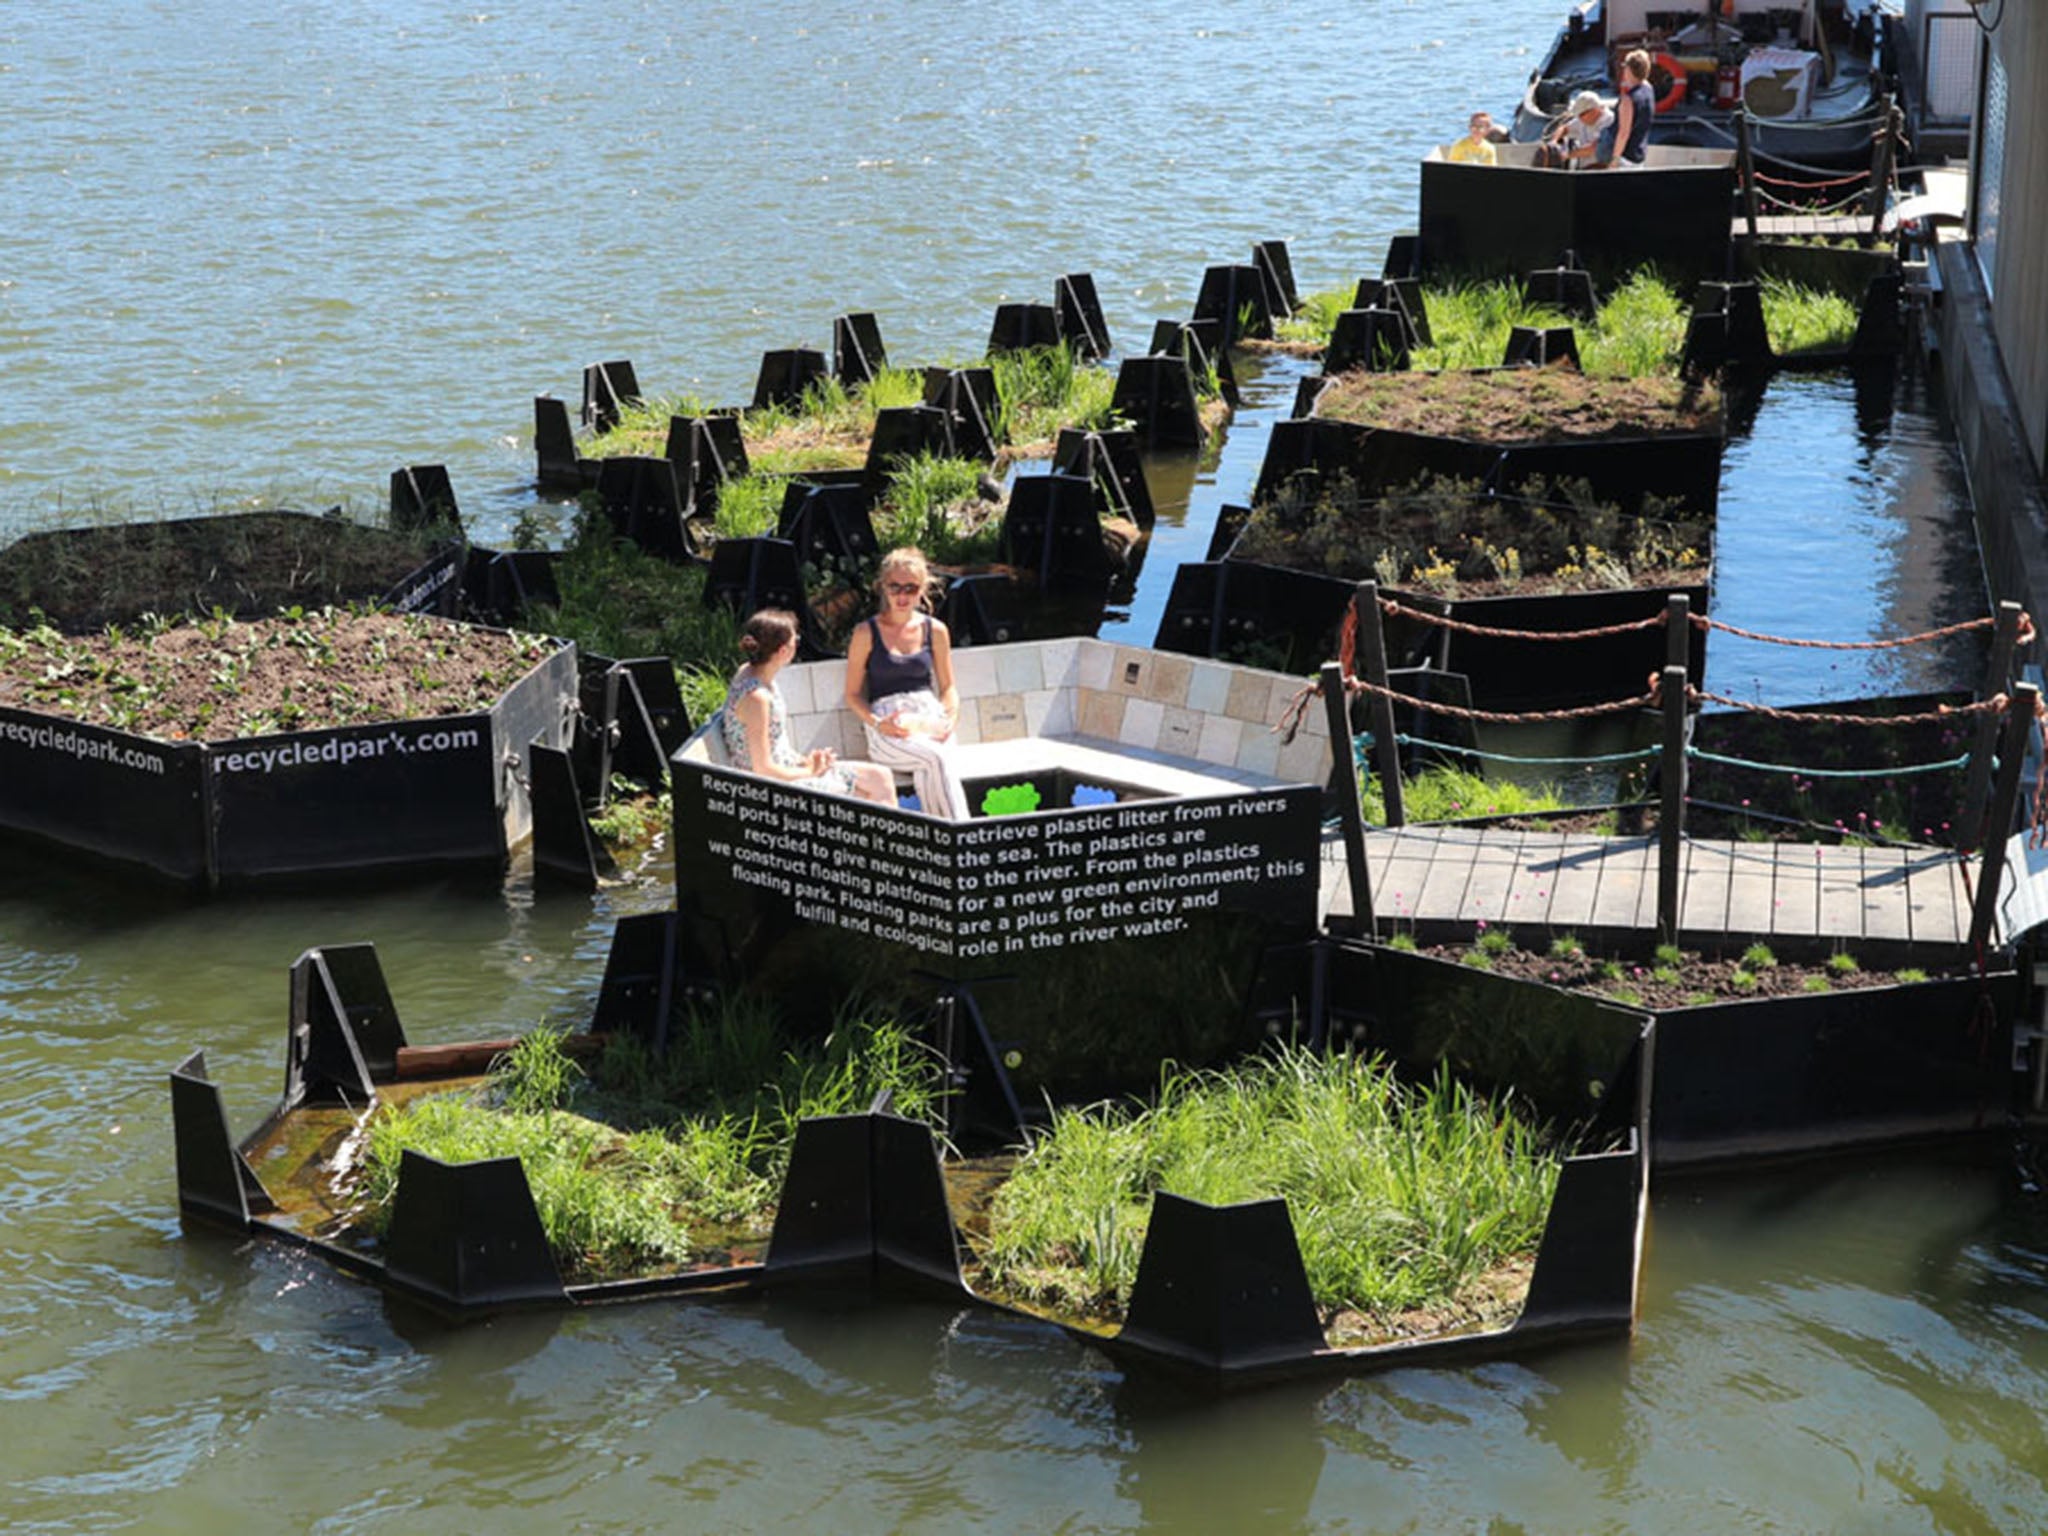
265 255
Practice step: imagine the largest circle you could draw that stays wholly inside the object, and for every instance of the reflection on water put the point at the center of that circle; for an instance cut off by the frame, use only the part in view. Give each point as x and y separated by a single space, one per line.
1844 516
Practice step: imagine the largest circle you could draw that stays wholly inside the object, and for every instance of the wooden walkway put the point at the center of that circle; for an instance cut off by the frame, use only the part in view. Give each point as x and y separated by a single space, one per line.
1830 226
1574 881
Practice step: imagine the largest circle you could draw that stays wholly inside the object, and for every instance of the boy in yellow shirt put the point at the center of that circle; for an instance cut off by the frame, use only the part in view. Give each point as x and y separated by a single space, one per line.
1476 148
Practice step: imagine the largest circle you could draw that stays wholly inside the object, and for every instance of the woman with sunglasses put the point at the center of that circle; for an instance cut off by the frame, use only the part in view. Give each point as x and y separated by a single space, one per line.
899 680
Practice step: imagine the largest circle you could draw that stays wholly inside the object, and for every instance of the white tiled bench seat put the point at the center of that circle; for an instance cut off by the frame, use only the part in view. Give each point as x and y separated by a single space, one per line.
1176 725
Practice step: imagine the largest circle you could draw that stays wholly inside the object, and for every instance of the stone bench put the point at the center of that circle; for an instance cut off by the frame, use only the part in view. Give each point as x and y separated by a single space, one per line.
1123 717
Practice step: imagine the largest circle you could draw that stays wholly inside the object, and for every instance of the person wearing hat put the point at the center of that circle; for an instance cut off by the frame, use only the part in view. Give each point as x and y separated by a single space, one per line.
1583 138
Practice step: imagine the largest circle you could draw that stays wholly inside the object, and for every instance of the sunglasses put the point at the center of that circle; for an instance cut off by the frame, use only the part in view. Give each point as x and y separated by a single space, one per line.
902 588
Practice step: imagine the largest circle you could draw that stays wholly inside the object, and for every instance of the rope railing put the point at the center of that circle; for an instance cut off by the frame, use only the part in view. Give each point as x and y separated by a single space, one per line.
1358 685
1700 754
1991 706
1394 607
1924 637
2001 728
1853 179
1810 210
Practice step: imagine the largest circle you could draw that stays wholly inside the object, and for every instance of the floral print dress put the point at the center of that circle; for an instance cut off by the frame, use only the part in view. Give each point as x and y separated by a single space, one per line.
835 780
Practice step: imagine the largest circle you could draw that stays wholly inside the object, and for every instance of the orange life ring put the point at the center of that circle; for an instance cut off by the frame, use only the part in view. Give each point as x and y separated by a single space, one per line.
1679 81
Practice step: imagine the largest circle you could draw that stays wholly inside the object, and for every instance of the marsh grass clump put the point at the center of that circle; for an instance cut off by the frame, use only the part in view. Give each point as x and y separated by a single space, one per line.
935 504
749 506
1402 1196
1799 318
1039 390
640 1163
618 600
1443 793
1637 332
1315 317
828 427
632 818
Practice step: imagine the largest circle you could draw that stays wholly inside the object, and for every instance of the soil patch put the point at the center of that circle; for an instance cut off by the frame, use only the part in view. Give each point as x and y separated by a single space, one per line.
1510 406
1690 980
244 564
217 679
1448 538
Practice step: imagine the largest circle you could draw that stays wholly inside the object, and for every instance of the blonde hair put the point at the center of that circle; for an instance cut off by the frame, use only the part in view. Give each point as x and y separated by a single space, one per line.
908 558
1637 62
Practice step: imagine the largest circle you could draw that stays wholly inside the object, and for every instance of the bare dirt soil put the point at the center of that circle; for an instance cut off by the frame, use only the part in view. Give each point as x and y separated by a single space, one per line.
1520 405
217 679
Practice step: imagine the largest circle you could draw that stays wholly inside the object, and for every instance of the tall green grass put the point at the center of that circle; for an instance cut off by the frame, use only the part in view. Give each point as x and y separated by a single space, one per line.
638 1164
619 601
1638 331
1802 319
934 503
1315 317
1400 1195
784 437
1444 793
749 506
1039 390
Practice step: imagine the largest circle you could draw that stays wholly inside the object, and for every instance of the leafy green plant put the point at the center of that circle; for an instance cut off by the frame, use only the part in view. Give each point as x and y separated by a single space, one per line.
1758 957
1842 963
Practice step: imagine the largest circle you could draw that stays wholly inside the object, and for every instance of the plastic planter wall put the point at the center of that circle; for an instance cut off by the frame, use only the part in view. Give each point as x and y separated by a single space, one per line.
1095 940
1684 467
1506 220
400 795
1879 1065
1221 1296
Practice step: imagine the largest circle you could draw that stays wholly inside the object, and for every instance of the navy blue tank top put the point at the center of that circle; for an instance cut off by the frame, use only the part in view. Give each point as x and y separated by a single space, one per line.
890 673
1644 106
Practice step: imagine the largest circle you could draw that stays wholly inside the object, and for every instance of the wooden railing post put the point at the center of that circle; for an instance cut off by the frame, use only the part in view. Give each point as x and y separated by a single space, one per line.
1745 161
2005 633
1880 169
1350 813
1671 810
2005 801
1372 667
1678 630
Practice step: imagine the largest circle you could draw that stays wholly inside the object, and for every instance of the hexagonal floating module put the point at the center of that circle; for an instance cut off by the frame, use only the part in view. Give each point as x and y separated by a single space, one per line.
1218 1297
